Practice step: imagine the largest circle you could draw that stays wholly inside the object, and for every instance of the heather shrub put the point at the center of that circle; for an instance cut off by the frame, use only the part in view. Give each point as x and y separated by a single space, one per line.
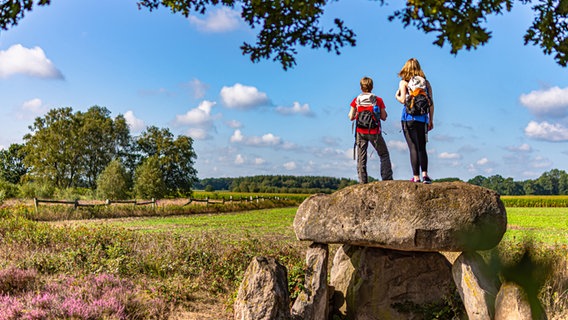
100 296
13 281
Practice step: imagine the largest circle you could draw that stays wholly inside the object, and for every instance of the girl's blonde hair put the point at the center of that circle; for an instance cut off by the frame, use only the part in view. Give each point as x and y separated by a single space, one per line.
410 69
366 84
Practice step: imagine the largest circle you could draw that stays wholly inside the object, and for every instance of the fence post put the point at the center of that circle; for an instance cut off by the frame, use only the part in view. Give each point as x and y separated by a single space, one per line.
153 204
76 204
35 206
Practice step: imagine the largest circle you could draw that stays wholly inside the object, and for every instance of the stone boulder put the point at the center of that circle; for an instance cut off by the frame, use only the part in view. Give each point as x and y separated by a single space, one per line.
263 293
313 301
402 215
477 285
375 283
512 303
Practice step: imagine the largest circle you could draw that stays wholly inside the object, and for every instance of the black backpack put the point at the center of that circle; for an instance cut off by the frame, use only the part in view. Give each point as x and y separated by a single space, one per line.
367 119
419 103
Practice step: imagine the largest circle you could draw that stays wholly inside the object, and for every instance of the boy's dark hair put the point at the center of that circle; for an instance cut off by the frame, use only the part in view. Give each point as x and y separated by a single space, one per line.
366 84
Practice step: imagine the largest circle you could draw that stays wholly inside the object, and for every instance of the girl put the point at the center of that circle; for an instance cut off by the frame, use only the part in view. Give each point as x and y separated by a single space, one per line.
416 127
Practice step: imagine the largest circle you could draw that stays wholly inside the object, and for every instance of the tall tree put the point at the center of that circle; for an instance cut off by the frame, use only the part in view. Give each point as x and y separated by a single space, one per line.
12 167
53 148
113 183
176 158
72 149
103 139
285 25
149 179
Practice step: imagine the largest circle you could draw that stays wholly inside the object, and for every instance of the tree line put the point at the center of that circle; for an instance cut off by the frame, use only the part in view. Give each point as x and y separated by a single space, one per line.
91 152
553 182
276 184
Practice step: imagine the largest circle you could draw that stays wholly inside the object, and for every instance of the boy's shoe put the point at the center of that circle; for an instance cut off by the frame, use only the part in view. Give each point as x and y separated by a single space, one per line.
426 180
414 180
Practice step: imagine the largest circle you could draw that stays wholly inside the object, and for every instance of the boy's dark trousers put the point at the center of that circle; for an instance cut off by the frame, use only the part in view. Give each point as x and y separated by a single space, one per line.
378 142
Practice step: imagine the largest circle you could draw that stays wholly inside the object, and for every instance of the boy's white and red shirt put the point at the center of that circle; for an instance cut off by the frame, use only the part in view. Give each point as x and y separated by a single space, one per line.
379 103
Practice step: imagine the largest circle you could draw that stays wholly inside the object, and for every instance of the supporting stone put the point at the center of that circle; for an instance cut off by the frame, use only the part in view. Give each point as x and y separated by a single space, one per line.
373 283
263 294
512 304
313 303
477 285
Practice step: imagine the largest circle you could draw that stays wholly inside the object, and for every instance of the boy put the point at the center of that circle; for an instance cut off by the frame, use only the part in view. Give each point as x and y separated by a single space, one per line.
367 110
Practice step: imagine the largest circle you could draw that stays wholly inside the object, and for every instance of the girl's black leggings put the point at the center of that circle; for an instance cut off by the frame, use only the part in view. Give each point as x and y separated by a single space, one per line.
415 135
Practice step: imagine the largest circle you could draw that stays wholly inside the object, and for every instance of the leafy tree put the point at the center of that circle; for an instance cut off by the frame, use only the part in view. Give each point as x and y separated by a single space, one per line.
113 183
71 149
149 182
53 148
12 167
176 158
103 139
285 25
552 182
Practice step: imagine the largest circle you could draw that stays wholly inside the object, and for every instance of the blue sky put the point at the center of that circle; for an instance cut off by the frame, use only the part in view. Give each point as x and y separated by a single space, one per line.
500 109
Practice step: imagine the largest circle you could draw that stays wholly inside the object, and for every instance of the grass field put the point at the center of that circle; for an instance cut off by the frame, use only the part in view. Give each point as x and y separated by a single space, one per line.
196 262
545 225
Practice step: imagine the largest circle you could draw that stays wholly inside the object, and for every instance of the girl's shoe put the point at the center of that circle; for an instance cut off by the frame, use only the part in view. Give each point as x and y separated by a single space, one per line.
414 180
426 180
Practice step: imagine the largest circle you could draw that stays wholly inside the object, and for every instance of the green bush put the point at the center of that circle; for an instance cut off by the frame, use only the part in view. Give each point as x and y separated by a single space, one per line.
37 190
8 190
113 183
149 180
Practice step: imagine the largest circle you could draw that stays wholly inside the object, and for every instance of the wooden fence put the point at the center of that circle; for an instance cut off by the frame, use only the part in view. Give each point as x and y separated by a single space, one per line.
76 204
208 201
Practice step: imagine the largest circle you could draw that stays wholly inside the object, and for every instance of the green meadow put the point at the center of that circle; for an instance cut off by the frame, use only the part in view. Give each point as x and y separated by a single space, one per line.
190 266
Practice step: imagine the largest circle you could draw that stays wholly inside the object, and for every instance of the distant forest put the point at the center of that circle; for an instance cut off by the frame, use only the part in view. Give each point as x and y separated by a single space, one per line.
553 182
275 184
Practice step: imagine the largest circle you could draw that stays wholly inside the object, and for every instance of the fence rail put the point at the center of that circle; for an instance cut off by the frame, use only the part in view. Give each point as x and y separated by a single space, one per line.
208 201
76 204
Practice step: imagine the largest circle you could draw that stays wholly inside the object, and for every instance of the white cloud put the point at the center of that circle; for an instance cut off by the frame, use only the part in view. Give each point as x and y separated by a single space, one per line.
266 140
290 165
34 106
483 161
541 162
220 20
134 123
234 124
239 159
550 102
31 109
397 145
200 116
259 161
198 133
237 136
31 62
296 108
449 156
525 147
553 132
198 88
243 97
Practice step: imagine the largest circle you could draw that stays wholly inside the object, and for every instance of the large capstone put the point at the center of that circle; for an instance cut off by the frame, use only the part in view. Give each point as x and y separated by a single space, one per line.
402 215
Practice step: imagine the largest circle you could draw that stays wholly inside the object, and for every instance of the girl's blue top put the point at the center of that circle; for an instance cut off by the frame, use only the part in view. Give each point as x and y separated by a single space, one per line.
407 117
